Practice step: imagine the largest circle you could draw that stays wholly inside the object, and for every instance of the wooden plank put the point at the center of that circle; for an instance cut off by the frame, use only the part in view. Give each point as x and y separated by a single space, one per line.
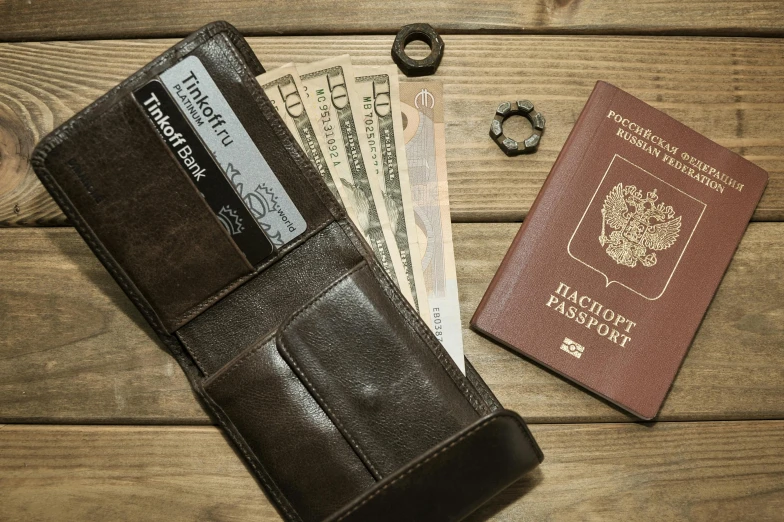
22 20
666 471
125 473
732 90
71 340
73 348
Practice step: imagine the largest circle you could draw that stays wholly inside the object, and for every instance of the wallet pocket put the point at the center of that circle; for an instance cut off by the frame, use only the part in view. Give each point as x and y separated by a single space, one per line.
359 352
308 459
256 309
342 393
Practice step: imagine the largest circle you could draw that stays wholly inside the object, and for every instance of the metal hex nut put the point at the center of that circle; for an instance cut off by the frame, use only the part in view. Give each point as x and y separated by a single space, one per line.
525 106
495 129
510 146
504 109
422 33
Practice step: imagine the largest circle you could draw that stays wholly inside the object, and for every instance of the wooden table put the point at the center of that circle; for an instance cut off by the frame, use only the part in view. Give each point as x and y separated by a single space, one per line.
100 423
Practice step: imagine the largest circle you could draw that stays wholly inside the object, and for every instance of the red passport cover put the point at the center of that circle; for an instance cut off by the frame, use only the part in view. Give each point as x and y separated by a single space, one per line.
613 269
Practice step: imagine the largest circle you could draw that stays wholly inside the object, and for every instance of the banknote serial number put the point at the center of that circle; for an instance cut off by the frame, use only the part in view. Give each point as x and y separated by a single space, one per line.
438 327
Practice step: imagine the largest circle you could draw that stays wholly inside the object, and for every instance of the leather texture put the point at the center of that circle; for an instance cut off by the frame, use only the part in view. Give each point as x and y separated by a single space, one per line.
472 466
355 320
254 310
311 461
319 371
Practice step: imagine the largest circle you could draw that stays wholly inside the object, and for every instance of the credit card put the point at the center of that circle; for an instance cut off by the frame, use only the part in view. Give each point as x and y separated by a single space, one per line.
212 118
206 175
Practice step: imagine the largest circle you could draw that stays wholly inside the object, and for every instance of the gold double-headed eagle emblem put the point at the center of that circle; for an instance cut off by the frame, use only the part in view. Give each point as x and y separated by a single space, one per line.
638 223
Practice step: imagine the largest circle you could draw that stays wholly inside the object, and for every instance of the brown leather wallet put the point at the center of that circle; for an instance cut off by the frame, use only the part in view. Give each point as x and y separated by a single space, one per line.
338 396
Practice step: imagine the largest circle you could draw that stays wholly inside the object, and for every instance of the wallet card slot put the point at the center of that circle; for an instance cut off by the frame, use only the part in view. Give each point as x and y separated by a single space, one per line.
136 200
297 444
373 374
257 308
201 168
133 202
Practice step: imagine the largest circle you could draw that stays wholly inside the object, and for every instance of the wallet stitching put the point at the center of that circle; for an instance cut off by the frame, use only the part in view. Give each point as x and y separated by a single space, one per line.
221 375
482 390
230 287
189 314
62 134
225 421
261 103
309 384
192 354
416 323
105 103
177 166
234 364
266 479
243 47
39 158
452 444
105 257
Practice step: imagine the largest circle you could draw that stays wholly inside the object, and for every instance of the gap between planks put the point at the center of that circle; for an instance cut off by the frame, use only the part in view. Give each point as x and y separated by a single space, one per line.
731 90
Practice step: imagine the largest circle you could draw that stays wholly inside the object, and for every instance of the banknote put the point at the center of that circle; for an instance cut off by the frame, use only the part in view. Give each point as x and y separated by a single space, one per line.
379 93
423 119
332 99
282 86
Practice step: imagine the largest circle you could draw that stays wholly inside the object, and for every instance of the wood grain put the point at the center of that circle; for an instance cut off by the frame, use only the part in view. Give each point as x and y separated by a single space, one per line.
666 471
730 89
75 350
25 20
125 473
73 347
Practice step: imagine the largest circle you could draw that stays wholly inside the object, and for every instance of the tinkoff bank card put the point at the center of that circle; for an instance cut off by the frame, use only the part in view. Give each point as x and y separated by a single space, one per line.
203 171
213 119
208 139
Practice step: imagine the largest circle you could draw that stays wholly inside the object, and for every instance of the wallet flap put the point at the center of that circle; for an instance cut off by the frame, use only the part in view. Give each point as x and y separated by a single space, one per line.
454 478
383 388
265 401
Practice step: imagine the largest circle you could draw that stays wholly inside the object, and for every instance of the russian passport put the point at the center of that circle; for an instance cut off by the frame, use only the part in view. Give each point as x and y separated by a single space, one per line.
611 273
